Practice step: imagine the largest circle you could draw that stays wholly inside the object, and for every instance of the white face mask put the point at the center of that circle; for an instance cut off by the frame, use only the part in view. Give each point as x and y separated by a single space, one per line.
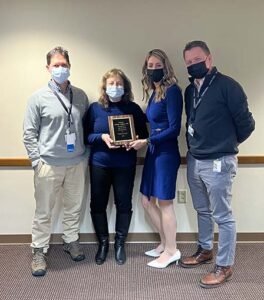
60 74
114 92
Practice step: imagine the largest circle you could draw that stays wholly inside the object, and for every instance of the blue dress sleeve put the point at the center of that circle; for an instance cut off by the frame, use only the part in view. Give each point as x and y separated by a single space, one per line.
140 123
174 103
188 106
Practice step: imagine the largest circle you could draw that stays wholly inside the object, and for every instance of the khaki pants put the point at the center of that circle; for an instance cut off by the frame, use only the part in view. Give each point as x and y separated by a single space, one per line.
48 181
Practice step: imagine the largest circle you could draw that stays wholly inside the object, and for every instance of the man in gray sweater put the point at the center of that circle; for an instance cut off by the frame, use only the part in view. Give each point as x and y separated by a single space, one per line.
53 137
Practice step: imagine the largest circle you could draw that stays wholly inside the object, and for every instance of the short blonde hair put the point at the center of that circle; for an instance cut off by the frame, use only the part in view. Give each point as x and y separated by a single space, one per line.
128 95
168 79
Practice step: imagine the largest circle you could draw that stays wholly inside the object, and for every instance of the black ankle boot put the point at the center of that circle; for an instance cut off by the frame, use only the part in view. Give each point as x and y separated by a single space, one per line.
102 251
120 253
101 230
122 226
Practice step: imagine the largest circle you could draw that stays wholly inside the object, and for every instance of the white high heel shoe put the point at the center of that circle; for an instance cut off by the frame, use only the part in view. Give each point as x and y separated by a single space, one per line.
174 258
153 253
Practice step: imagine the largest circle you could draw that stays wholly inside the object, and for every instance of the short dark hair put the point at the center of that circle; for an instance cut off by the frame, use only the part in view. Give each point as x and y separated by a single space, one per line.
59 50
193 44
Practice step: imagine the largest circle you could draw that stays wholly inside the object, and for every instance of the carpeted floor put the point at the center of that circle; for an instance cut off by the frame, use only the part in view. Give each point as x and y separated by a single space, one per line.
70 280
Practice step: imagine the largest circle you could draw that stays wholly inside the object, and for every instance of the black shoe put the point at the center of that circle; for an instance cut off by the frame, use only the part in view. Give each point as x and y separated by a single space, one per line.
102 251
122 226
120 253
101 230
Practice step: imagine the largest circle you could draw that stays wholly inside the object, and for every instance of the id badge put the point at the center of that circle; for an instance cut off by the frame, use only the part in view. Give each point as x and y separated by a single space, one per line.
217 165
70 139
190 130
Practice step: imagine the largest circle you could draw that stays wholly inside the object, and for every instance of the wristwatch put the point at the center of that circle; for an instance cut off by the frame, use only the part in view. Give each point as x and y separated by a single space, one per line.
148 141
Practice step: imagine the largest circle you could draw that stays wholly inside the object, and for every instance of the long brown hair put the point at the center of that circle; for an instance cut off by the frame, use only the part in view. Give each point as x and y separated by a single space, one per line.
168 79
128 95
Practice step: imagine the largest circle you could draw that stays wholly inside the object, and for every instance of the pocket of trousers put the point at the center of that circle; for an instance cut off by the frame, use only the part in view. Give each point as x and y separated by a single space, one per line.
230 164
38 167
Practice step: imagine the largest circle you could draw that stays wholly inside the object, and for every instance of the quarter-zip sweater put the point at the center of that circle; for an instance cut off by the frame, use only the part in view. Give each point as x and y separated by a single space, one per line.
222 119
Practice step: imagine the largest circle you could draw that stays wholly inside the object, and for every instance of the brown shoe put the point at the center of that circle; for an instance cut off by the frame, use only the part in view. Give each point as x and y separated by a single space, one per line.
216 278
201 256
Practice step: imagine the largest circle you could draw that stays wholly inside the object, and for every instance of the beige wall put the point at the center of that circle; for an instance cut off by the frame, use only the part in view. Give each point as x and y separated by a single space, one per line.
17 204
116 33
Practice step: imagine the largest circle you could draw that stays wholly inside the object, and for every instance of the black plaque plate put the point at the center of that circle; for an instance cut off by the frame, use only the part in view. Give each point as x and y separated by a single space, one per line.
122 129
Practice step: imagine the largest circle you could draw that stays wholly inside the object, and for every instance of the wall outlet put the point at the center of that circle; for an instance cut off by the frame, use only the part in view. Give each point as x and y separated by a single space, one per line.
182 196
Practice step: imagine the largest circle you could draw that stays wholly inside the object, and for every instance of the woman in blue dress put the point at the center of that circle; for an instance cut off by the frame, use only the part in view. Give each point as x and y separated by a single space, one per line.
162 160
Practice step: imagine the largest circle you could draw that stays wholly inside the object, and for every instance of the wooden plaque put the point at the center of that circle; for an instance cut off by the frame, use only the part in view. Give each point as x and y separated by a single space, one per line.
122 129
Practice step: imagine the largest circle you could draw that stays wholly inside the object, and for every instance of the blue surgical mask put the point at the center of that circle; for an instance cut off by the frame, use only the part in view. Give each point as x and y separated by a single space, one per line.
114 92
60 74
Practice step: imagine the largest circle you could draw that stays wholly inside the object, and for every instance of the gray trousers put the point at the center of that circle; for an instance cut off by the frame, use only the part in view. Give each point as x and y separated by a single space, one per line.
210 183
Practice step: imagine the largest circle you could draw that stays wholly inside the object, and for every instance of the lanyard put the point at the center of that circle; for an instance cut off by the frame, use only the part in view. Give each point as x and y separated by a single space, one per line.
198 100
68 110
